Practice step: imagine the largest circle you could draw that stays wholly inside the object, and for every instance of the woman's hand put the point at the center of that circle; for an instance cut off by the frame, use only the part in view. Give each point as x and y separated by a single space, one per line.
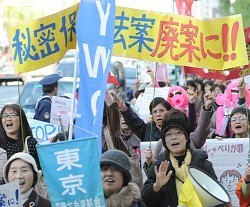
247 173
116 99
161 175
219 138
109 99
150 72
208 100
191 95
241 87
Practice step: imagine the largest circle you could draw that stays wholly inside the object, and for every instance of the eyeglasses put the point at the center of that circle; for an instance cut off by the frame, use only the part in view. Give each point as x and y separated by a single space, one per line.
158 111
169 135
11 116
234 90
239 119
172 94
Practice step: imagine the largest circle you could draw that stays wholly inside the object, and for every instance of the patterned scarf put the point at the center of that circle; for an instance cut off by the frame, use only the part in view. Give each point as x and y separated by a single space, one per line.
181 172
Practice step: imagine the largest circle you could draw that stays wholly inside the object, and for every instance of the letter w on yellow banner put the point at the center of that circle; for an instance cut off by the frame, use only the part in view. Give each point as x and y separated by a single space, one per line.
44 41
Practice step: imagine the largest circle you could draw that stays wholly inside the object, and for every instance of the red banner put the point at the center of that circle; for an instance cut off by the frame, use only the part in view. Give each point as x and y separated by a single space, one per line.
218 75
247 34
229 74
184 7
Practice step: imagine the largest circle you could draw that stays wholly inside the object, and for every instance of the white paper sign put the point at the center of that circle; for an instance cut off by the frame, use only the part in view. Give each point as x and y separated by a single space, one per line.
144 146
10 195
148 96
229 159
60 106
43 131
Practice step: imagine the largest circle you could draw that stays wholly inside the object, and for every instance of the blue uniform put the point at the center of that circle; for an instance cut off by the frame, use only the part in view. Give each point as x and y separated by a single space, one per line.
43 105
42 110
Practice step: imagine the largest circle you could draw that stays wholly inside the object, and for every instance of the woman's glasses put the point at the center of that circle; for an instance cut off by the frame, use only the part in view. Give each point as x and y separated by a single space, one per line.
178 133
11 116
239 119
172 94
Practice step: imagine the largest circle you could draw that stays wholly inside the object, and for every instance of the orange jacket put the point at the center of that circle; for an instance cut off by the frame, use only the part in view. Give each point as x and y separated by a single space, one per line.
243 202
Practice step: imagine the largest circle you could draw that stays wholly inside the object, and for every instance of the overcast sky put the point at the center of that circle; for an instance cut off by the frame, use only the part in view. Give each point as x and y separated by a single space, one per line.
151 5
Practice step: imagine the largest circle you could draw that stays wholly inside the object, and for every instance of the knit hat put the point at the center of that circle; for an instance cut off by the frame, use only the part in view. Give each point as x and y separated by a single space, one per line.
25 157
175 122
120 160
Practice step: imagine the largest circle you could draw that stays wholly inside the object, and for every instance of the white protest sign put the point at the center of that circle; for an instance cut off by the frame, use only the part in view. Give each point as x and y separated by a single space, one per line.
10 195
148 96
60 106
137 104
143 147
229 159
43 131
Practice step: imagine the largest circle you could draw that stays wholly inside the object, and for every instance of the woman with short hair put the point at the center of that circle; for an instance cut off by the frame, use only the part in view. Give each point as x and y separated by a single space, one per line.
170 171
22 167
116 178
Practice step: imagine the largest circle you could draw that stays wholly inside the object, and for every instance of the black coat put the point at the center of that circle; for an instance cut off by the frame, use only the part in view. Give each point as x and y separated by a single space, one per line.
142 130
167 196
37 200
139 127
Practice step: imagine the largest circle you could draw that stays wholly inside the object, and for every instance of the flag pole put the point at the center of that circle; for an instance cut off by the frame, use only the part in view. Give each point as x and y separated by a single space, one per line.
248 154
72 112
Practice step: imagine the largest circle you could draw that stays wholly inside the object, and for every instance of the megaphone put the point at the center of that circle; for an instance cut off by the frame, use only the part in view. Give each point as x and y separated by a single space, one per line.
178 100
210 191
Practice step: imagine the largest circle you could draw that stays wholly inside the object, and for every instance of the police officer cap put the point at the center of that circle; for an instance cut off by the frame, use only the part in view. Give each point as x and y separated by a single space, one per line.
49 79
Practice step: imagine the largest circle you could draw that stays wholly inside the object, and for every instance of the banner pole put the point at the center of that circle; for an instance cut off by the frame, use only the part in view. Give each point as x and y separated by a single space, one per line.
248 154
72 113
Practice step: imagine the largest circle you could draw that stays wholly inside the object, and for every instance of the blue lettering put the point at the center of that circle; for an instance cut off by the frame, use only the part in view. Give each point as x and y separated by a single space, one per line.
39 133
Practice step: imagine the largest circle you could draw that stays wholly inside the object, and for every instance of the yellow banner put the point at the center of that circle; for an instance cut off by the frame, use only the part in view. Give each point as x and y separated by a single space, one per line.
44 41
215 44
182 40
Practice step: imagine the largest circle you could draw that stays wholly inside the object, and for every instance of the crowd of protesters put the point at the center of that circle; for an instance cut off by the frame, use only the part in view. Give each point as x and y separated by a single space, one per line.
201 109
215 110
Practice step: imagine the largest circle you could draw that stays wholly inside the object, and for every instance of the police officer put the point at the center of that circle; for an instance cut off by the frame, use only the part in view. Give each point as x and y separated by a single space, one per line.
43 104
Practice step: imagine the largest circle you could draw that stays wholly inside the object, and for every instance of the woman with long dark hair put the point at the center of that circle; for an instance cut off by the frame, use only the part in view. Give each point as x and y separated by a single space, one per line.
15 132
